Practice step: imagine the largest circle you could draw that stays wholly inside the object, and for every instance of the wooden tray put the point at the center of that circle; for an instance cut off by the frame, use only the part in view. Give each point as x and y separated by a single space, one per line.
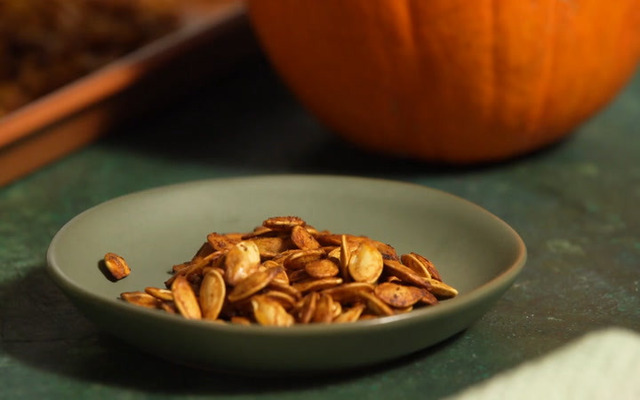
213 35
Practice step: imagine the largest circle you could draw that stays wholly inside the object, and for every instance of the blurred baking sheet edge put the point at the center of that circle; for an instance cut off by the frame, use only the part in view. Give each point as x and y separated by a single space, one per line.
212 39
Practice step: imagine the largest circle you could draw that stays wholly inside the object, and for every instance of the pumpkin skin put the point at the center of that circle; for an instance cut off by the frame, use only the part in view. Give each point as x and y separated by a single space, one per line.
453 81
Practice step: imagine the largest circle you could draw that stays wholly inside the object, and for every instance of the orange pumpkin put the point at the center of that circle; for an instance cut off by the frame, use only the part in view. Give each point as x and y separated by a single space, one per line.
458 81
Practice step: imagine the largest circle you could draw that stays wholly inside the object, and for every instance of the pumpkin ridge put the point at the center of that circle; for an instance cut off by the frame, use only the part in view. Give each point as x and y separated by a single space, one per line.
473 81
541 101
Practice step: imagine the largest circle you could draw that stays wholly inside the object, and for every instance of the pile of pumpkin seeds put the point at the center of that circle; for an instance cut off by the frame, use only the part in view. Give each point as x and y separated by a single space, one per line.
286 272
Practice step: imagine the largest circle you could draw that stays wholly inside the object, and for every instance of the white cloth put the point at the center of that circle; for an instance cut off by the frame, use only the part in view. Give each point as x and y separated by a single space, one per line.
601 365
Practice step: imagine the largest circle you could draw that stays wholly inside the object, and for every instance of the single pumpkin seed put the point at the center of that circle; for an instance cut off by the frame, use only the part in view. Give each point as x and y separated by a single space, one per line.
117 266
242 260
140 299
283 223
323 268
303 239
399 296
308 307
365 263
212 294
270 312
406 274
185 298
160 294
442 290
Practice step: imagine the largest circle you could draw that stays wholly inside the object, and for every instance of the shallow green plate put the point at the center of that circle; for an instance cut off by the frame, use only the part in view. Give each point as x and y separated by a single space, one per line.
474 250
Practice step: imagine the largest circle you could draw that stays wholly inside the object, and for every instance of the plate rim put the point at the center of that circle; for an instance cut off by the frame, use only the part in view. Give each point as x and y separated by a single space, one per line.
503 280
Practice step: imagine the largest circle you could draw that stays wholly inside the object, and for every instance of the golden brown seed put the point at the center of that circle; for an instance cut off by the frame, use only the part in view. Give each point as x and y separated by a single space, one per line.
242 260
212 294
365 263
433 271
375 305
411 261
344 256
185 298
323 268
253 284
349 292
283 223
399 296
387 251
271 246
336 308
160 294
116 265
299 259
316 284
406 274
140 299
270 312
301 237
351 314
429 299
324 309
220 242
442 290
308 307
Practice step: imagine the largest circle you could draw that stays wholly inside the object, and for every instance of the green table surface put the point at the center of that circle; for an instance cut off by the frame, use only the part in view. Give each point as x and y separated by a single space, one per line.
575 205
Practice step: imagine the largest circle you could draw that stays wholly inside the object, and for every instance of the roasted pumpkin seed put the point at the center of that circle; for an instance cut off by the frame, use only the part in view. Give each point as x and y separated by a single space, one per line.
283 223
399 296
185 298
323 268
253 284
212 294
242 260
301 237
116 265
365 263
286 271
160 294
270 312
140 299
